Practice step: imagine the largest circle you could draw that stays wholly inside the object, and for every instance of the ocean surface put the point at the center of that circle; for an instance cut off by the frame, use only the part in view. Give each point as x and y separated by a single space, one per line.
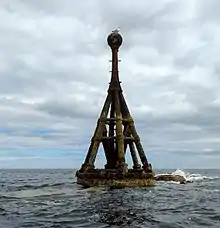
51 198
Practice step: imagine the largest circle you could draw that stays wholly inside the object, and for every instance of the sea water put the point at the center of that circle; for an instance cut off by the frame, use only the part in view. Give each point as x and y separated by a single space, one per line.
51 198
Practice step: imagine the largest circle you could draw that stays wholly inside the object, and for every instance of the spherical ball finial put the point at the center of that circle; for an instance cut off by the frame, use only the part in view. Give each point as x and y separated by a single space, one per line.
114 40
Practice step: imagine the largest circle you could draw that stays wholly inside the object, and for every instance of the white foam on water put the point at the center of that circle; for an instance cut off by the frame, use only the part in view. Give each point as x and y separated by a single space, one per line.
192 176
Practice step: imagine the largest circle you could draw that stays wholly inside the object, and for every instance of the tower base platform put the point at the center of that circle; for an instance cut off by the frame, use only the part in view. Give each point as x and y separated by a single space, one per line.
111 178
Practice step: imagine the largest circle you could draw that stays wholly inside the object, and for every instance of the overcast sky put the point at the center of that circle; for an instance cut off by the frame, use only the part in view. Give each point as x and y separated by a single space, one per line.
54 74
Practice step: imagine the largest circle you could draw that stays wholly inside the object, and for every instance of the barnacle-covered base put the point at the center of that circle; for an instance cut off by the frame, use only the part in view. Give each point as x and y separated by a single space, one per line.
111 178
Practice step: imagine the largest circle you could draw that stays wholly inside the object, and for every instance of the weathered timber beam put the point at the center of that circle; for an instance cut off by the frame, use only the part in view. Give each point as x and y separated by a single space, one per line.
126 134
119 131
115 137
112 151
139 146
93 149
134 156
111 123
113 119
125 106
105 144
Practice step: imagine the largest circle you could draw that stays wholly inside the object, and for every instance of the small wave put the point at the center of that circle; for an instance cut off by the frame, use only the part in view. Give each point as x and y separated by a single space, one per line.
28 186
2 210
6 197
191 177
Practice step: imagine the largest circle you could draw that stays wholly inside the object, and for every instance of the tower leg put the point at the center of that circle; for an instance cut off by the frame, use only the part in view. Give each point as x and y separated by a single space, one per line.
146 166
111 162
106 146
93 149
126 133
122 167
134 156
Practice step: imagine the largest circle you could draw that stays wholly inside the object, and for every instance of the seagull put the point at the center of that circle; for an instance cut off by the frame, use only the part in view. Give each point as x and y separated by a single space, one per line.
116 30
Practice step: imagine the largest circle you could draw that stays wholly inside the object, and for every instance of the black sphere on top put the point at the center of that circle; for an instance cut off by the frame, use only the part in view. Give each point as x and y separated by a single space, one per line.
114 40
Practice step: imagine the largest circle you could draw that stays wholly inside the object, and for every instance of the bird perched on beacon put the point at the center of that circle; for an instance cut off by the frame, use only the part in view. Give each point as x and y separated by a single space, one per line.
116 30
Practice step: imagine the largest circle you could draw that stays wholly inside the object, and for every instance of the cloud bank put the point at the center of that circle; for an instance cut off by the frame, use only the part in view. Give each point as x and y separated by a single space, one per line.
54 74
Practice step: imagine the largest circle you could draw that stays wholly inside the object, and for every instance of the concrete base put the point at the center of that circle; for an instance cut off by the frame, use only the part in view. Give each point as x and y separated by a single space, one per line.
110 178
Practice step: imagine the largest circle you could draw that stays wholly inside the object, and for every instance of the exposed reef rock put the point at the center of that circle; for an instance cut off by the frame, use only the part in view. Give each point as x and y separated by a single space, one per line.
170 177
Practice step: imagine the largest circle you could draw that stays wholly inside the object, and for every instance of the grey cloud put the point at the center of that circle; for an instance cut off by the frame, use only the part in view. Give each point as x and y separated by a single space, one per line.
205 153
54 72
208 11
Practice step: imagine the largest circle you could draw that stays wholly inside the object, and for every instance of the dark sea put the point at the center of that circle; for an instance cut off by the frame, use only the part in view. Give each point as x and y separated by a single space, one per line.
51 198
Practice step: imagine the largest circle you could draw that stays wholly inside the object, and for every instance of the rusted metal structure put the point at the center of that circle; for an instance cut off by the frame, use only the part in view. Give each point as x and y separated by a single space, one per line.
116 131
